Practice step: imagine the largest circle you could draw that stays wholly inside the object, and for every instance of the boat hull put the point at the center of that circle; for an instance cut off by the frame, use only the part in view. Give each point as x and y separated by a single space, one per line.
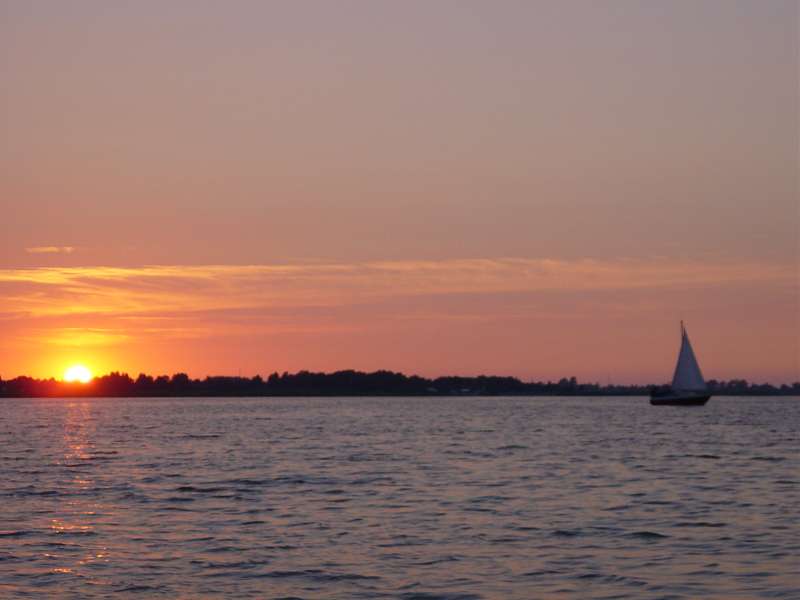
680 399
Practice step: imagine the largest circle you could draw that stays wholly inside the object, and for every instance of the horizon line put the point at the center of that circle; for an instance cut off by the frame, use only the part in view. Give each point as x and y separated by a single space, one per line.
571 379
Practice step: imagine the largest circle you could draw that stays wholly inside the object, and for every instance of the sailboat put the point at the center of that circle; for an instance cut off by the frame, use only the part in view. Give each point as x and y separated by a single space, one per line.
688 386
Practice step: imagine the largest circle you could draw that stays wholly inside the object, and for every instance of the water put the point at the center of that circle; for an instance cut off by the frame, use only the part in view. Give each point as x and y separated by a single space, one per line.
421 498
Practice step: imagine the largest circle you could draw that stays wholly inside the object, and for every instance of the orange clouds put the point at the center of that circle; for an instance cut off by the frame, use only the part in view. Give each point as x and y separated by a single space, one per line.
461 315
153 289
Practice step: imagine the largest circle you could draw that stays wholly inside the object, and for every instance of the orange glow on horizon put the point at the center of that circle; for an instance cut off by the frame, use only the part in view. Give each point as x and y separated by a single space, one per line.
533 318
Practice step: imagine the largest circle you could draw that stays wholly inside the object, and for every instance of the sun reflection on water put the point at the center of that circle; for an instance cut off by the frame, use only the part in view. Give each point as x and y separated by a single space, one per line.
78 513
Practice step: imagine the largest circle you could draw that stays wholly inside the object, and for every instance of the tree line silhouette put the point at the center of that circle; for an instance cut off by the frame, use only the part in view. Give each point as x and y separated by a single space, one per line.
348 383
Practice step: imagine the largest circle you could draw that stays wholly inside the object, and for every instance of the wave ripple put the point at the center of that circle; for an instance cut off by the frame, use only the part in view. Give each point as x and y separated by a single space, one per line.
401 498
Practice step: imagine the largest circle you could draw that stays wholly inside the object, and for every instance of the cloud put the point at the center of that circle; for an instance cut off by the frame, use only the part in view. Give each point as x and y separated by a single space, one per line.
80 337
50 250
165 288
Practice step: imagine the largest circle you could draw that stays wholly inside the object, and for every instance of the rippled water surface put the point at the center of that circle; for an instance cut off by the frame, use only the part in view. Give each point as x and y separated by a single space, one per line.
417 498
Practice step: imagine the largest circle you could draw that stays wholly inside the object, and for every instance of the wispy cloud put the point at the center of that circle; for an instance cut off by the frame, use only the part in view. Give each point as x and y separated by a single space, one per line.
80 337
50 250
156 289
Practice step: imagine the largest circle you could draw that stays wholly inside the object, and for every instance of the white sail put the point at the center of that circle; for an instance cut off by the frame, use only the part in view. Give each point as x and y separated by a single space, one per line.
687 372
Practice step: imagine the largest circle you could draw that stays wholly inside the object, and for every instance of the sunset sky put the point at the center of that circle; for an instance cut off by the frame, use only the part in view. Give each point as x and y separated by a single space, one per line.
538 189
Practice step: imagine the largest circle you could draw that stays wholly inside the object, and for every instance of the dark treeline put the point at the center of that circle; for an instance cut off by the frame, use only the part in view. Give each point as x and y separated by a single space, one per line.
347 383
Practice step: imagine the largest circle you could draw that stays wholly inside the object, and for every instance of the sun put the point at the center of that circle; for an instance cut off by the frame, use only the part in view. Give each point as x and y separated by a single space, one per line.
78 373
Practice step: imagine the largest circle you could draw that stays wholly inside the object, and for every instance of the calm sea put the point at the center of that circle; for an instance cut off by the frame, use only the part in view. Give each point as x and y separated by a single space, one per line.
410 498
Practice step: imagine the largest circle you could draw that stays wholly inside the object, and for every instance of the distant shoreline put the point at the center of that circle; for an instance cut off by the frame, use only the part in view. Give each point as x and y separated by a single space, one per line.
346 384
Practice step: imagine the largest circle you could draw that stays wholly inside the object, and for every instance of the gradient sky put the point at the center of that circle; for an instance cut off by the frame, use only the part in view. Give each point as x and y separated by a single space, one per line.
541 189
